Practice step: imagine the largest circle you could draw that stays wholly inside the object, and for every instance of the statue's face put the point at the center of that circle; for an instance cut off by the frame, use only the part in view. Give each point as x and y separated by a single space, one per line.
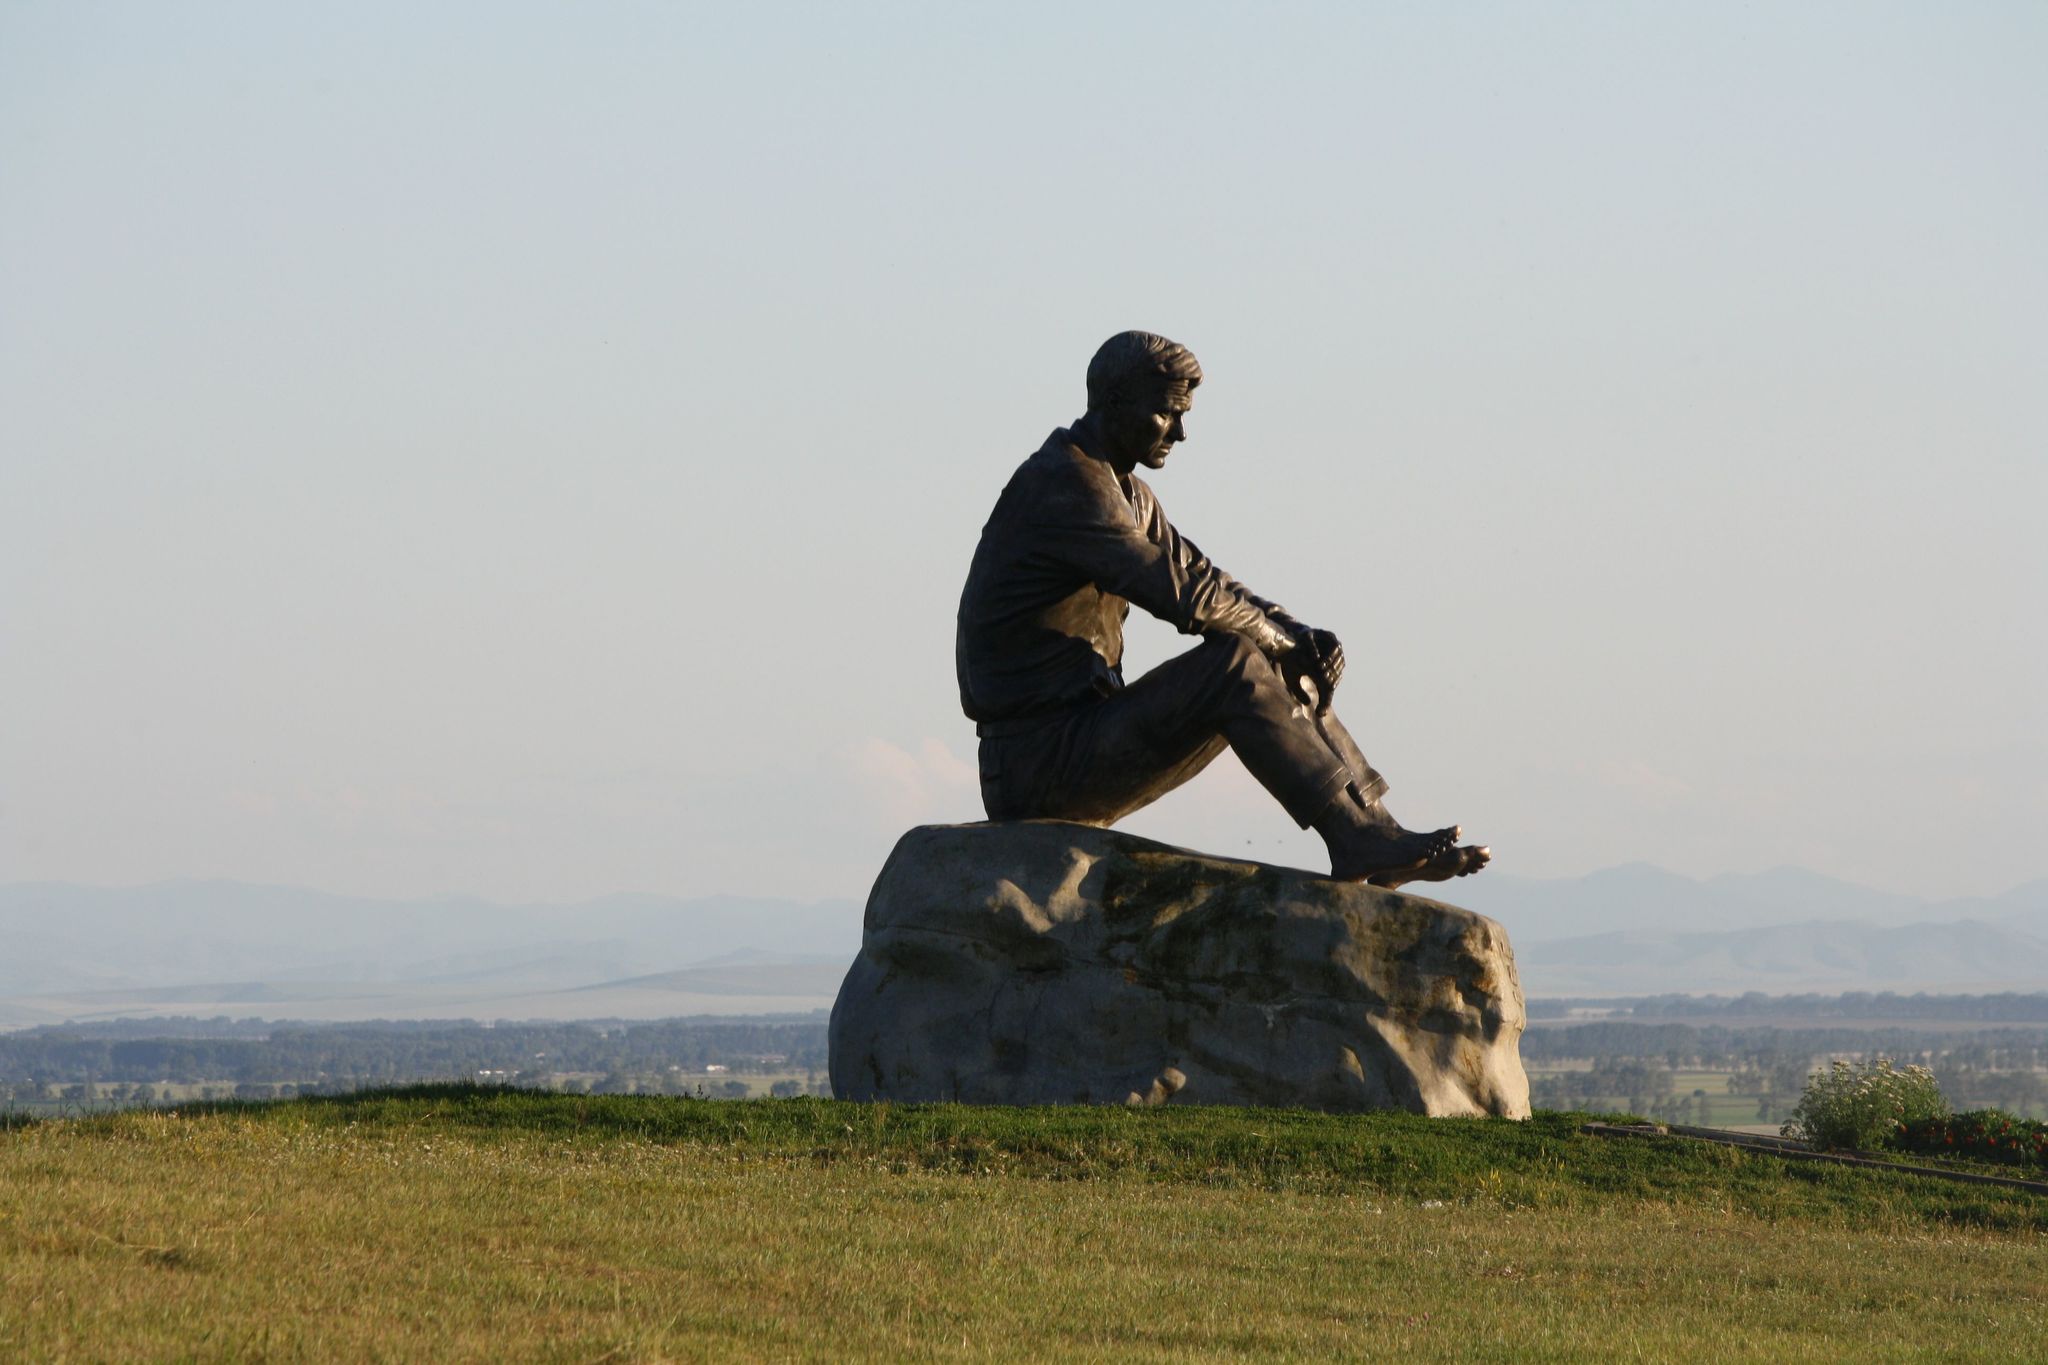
1143 427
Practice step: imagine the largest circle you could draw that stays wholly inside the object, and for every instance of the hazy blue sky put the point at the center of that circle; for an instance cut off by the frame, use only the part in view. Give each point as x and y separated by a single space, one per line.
534 450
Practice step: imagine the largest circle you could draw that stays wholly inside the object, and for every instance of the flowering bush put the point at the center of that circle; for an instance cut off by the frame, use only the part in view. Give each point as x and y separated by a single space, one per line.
1985 1133
1864 1105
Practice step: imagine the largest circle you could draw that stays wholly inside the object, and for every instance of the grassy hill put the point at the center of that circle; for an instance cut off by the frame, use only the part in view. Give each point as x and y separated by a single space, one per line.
454 1222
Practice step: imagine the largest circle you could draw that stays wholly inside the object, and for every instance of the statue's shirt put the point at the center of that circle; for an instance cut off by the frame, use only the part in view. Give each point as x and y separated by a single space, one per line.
1068 548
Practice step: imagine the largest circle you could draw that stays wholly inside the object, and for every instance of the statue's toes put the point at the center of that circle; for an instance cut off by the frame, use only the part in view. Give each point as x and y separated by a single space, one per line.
1474 859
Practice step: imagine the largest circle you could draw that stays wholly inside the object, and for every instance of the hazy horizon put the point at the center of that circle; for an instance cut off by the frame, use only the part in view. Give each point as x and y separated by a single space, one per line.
1465 890
206 949
534 454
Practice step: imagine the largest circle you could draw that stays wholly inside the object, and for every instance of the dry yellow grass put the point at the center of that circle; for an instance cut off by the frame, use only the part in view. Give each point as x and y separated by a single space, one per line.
233 1237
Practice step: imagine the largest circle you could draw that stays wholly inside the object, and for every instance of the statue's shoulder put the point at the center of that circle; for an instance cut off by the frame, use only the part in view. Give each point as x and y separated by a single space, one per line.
1061 474
1059 457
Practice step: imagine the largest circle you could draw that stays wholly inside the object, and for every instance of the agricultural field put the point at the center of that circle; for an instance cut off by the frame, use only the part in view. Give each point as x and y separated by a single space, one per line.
458 1222
1726 1071
1706 1097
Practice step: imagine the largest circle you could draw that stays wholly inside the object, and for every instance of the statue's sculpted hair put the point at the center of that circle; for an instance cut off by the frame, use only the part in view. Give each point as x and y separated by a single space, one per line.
1130 356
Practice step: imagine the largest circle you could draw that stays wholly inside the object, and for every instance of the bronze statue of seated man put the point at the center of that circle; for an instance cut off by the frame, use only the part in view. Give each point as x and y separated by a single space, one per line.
1075 538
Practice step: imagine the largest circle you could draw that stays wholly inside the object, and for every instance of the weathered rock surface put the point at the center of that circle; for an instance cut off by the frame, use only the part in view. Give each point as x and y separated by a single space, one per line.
1040 962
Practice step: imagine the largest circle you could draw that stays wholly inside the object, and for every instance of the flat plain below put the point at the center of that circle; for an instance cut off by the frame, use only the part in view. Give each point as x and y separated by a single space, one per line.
463 1223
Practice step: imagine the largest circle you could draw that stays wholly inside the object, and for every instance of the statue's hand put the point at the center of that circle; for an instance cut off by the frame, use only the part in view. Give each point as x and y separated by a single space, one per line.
1328 671
1277 614
1318 657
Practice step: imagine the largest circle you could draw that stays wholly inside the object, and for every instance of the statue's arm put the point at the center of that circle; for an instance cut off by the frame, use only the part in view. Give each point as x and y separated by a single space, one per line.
1083 525
1283 632
1099 539
1314 654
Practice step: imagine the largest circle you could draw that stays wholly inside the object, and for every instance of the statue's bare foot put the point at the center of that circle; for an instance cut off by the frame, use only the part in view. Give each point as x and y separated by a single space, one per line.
1371 853
1455 862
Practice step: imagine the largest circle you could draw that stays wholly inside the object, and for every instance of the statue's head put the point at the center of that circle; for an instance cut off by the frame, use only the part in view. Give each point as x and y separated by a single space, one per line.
1140 385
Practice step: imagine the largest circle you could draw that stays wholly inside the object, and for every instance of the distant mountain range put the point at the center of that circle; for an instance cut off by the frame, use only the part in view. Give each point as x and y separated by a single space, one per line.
209 948
1968 956
1639 930
196 947
1637 897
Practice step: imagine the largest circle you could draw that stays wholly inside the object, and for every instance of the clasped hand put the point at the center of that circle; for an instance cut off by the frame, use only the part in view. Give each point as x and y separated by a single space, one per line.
1317 656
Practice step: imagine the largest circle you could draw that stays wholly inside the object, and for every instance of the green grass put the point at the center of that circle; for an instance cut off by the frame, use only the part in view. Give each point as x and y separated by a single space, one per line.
464 1223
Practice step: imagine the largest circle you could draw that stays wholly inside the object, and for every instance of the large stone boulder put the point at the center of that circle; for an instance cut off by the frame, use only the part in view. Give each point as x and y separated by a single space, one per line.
1040 962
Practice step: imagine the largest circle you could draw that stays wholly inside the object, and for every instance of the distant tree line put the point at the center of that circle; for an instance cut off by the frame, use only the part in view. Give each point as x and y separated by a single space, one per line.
1721 1046
218 1026
2009 1007
316 1056
1632 1056
1624 1061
